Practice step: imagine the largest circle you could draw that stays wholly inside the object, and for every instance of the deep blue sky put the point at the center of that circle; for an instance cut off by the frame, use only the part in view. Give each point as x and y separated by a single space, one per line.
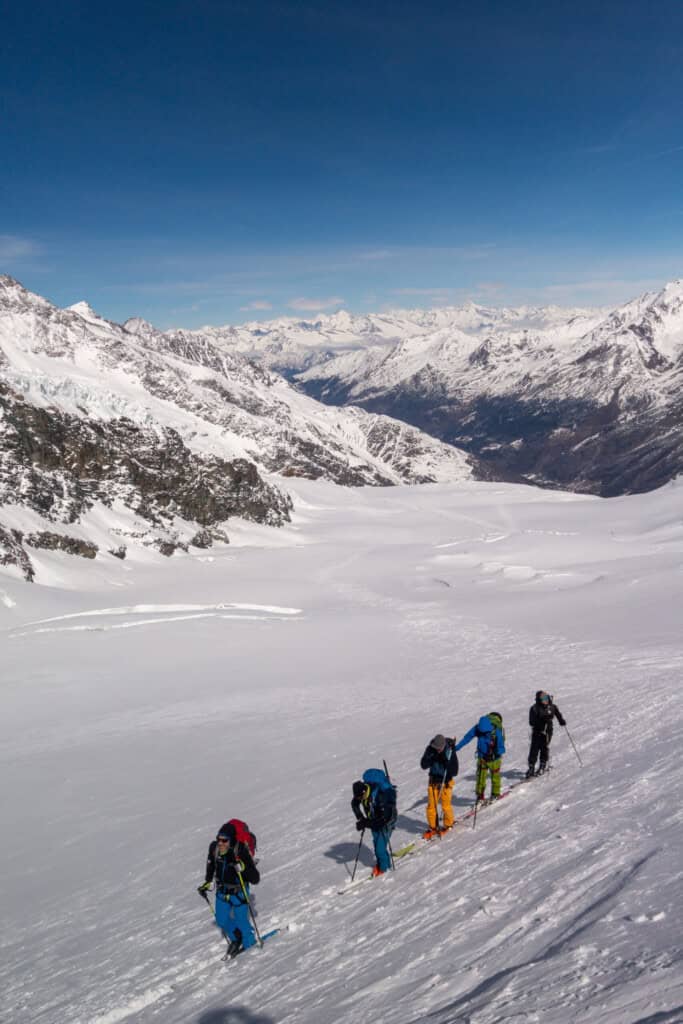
213 162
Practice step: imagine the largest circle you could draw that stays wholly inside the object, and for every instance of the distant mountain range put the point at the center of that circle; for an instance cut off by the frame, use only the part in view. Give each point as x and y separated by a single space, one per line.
128 435
112 436
579 399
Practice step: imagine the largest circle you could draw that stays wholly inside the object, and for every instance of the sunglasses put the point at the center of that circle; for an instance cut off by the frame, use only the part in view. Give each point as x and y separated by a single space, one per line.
222 839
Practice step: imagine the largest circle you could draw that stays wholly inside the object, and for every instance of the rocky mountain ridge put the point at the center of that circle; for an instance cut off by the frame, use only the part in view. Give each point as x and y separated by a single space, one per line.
584 400
176 430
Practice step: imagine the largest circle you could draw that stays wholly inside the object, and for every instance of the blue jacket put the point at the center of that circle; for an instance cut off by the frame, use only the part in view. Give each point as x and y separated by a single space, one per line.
490 741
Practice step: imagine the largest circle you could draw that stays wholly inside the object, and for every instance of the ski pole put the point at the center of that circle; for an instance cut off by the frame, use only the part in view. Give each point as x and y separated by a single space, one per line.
251 912
213 914
386 828
573 744
477 801
438 799
438 805
353 875
385 832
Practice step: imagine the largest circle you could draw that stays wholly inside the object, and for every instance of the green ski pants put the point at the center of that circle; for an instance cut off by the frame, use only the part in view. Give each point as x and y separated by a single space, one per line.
483 769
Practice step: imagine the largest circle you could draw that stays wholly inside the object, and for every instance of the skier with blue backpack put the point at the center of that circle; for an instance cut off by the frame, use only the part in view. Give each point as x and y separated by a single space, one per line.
374 805
490 737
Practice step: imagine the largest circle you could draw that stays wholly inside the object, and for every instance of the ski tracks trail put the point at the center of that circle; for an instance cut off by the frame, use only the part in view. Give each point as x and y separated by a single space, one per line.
97 619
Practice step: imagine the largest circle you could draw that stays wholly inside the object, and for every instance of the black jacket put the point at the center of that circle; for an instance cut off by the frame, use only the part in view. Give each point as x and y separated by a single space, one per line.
222 868
541 718
443 766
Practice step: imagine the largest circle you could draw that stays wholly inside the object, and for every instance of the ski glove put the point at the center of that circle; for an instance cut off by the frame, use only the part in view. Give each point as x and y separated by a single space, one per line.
203 888
239 866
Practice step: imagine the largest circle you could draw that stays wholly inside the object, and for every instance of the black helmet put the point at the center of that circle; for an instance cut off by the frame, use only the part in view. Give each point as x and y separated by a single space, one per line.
226 831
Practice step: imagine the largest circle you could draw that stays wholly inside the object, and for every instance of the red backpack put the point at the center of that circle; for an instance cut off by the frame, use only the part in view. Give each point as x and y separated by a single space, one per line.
243 834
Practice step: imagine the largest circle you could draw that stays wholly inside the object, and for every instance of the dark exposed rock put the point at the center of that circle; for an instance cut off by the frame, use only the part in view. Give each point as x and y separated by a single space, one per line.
202 539
62 464
12 552
119 552
61 542
168 547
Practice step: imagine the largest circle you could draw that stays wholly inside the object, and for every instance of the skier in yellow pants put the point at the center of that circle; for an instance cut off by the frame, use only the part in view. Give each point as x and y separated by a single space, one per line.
441 761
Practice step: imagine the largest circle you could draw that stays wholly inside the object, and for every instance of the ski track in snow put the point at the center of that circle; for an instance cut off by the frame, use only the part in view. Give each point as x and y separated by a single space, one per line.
197 612
562 906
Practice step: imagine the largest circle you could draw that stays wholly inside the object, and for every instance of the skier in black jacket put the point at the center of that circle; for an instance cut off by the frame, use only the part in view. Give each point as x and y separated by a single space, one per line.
541 715
229 863
441 760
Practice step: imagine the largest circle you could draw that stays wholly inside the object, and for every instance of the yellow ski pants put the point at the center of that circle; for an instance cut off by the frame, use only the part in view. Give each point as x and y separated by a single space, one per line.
433 803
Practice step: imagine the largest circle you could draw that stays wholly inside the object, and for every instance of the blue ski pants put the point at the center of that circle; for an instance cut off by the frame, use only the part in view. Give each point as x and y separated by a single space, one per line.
232 913
380 840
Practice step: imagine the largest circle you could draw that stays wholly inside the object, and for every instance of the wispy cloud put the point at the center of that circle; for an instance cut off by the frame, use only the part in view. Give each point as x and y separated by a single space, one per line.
489 289
13 247
663 152
434 296
315 305
603 290
257 304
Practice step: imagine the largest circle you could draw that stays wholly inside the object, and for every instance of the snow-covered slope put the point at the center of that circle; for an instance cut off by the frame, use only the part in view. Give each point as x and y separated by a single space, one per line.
174 427
259 682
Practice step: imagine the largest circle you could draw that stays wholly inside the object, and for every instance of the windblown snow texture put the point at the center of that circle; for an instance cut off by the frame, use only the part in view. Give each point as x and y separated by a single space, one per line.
144 707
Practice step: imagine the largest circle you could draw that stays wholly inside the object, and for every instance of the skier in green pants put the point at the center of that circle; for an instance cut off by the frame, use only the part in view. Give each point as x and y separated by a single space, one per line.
490 737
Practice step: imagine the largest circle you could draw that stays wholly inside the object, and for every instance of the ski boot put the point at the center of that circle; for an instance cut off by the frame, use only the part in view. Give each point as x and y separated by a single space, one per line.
234 946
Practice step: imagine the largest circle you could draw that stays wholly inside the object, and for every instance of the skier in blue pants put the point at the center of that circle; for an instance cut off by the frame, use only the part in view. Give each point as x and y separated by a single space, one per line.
374 805
227 862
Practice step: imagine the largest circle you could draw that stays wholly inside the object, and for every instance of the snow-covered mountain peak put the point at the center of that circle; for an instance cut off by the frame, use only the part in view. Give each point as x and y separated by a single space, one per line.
85 310
137 325
13 294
